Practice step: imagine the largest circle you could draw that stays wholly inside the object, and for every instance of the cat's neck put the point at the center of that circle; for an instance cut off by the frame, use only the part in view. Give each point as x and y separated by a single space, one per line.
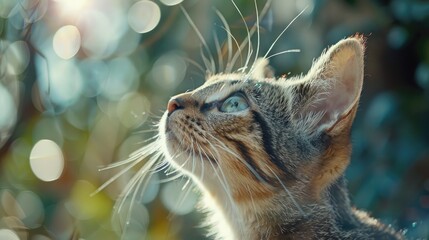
278 217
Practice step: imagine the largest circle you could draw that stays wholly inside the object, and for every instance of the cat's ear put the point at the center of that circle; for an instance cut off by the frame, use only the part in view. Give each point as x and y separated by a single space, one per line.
261 69
335 82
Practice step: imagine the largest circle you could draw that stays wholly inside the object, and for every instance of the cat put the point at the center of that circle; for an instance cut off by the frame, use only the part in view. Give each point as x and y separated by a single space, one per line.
267 153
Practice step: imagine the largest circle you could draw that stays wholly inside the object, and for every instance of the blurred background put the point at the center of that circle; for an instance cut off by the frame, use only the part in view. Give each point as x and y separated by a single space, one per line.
82 83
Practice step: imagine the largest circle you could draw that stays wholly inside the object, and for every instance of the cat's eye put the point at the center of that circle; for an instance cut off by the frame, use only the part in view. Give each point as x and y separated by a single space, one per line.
235 103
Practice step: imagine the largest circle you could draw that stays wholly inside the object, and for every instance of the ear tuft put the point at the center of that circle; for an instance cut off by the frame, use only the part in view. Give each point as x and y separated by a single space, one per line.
262 69
336 82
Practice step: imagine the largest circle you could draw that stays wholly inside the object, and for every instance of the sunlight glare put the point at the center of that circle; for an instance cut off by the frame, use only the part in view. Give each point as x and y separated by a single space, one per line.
72 7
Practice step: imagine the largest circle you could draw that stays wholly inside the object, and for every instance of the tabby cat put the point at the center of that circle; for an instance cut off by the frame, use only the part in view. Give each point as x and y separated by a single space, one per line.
269 154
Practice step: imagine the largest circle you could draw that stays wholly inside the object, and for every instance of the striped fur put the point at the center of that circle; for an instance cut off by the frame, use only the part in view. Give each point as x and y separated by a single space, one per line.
275 170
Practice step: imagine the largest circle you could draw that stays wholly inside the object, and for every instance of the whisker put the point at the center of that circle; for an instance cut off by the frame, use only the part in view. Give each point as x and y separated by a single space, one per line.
206 62
283 52
229 42
219 52
143 179
139 154
140 174
230 64
144 131
114 178
246 41
206 47
284 30
197 65
248 166
258 35
222 181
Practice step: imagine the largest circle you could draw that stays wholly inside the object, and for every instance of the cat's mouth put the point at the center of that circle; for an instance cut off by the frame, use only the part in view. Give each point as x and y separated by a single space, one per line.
185 140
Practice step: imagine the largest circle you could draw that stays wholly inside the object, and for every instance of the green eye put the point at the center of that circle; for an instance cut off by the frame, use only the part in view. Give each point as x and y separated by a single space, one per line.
234 103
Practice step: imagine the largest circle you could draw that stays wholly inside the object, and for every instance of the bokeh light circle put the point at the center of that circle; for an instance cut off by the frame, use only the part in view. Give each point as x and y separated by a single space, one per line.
171 2
8 234
32 207
83 205
123 78
178 200
132 110
34 10
8 8
61 82
8 109
66 41
144 16
168 71
46 160
132 221
17 56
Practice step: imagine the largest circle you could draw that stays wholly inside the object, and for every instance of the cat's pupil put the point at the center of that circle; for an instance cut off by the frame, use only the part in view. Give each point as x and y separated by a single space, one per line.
234 104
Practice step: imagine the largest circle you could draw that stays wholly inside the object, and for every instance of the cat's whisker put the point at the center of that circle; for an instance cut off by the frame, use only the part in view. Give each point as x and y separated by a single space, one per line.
222 178
211 63
136 178
178 168
176 172
218 51
238 157
249 35
283 52
146 140
186 184
227 29
218 156
197 65
253 204
247 40
223 181
181 198
282 32
206 62
193 155
202 171
117 175
143 179
161 166
133 157
258 37
146 131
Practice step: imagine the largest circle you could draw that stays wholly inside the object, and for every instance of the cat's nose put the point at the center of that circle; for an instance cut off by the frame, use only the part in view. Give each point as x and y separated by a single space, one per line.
174 104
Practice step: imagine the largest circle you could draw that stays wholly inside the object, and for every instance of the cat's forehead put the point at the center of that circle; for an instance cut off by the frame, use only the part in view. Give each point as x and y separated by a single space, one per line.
220 86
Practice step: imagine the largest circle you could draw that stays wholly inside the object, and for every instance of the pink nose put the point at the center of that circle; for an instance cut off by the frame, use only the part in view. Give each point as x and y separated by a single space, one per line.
174 104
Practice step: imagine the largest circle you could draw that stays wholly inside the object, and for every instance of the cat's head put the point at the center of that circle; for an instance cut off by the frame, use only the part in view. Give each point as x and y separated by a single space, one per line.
254 136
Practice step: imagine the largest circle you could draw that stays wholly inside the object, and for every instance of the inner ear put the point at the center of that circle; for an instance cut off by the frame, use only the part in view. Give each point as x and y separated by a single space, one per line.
335 81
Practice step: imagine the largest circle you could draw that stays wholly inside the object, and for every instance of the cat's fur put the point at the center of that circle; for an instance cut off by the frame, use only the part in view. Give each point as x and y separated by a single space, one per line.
275 170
